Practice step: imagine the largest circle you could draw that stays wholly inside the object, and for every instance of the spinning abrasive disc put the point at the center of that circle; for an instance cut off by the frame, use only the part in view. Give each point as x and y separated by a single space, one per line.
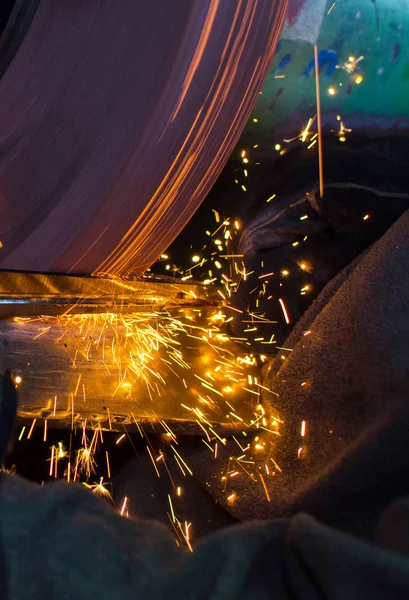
116 118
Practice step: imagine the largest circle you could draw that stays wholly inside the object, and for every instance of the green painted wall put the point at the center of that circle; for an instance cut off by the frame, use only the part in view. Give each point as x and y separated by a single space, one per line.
379 31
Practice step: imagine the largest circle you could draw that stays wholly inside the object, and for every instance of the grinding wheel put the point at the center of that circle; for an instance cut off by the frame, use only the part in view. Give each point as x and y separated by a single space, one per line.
116 118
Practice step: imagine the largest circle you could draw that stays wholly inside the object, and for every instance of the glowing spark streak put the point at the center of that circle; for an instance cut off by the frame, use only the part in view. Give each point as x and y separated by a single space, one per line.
119 440
331 8
31 429
306 131
180 466
239 464
153 461
55 405
276 465
266 275
208 445
169 431
45 430
78 384
269 430
238 443
236 309
265 488
181 459
251 391
217 436
319 122
231 255
124 505
263 387
72 411
303 428
108 466
21 433
52 461
42 332
287 320
206 434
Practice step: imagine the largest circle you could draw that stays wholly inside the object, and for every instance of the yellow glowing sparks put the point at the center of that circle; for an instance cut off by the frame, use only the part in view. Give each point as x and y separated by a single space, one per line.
332 91
305 133
265 488
303 428
31 429
171 508
366 217
85 462
359 79
124 503
18 379
285 313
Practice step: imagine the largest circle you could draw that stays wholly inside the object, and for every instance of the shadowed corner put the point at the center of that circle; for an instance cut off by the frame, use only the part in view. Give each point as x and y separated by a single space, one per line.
8 410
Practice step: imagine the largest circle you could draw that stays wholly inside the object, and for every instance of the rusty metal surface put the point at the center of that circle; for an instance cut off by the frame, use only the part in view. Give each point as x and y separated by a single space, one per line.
93 367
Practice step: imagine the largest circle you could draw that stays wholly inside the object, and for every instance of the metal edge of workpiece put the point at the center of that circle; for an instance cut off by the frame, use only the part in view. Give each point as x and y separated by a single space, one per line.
119 423
28 294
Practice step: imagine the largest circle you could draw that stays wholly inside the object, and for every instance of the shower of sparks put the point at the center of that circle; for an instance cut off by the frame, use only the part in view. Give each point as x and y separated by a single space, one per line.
85 462
100 489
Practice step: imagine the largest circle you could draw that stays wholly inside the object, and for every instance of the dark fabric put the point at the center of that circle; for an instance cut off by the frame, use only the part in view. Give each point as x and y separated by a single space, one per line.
8 410
348 380
366 191
60 541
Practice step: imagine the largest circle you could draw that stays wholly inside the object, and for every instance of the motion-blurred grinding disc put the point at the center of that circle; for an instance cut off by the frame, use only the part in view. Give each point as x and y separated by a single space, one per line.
116 118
